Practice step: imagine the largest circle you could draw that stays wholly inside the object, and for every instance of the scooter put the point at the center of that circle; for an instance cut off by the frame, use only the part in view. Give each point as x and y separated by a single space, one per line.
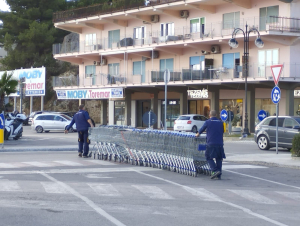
14 126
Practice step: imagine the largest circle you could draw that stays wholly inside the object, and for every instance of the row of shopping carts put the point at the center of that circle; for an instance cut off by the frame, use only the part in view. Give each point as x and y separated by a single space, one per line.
174 151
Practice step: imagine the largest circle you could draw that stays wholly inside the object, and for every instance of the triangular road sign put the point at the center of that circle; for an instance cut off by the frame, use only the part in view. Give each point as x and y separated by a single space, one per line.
276 71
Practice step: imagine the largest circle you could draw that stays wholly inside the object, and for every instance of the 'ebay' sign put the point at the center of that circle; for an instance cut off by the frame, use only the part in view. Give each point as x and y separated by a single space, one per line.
90 93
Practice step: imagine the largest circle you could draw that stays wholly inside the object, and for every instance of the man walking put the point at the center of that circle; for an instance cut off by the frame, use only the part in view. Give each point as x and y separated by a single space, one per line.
214 144
83 122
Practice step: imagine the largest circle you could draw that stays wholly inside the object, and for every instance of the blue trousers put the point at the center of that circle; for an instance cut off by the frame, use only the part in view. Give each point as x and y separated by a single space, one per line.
215 166
83 142
215 152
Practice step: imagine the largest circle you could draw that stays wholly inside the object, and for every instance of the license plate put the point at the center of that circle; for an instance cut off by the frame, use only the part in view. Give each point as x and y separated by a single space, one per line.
179 127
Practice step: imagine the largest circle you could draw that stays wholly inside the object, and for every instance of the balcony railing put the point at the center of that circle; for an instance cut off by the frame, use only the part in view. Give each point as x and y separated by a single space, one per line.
185 75
106 8
284 24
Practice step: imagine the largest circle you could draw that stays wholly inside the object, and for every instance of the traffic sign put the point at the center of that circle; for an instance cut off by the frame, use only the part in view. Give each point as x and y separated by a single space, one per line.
167 75
152 118
276 95
224 115
262 114
276 71
230 116
2 120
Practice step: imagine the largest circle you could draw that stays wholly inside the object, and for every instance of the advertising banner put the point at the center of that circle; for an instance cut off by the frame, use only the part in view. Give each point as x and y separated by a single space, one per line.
90 93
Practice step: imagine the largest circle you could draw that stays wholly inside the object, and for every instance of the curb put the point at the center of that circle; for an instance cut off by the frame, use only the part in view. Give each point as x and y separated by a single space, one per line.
237 139
261 163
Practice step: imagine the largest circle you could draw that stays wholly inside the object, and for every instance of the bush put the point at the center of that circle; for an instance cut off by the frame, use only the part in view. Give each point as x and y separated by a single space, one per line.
296 146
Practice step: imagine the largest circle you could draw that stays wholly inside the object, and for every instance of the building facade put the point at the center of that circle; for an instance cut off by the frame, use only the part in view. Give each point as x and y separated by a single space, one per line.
129 45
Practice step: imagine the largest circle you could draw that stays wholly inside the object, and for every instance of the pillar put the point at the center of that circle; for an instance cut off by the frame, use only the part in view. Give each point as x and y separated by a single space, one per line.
31 104
159 114
251 110
42 103
103 116
289 102
183 103
111 112
127 108
215 97
15 104
154 108
133 113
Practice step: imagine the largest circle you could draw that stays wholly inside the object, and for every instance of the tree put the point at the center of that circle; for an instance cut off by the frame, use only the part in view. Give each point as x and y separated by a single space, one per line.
8 85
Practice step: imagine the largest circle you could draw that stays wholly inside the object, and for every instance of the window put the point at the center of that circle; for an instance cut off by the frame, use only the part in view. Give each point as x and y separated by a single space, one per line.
280 122
90 39
265 16
166 29
196 61
113 69
231 20
267 58
203 118
197 25
139 69
90 71
290 123
166 64
49 117
58 118
138 32
40 118
113 38
230 60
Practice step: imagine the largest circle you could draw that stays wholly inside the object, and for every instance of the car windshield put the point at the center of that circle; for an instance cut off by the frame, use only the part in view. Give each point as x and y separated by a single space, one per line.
184 117
297 119
66 117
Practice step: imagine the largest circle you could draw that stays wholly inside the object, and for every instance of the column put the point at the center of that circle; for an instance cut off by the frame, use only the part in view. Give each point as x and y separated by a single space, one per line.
159 114
251 110
31 104
15 104
133 113
289 102
103 116
215 97
111 112
42 103
183 103
127 107
154 108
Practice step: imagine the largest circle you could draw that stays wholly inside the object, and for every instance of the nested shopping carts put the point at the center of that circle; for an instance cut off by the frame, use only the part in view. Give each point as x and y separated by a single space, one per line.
174 151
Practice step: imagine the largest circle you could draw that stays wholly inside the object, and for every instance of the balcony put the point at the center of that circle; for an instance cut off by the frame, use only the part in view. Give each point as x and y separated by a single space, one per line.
215 74
180 35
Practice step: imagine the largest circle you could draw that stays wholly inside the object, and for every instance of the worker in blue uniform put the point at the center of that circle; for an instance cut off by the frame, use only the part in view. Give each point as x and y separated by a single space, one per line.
214 144
83 122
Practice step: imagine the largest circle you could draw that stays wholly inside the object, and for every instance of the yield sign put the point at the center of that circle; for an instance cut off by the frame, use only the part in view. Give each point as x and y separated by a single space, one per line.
276 71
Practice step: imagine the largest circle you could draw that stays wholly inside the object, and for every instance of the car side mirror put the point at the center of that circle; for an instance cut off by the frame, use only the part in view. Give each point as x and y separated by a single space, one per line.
296 127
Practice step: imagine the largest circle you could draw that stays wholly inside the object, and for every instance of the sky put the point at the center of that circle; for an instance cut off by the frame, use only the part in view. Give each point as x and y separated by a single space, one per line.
3 6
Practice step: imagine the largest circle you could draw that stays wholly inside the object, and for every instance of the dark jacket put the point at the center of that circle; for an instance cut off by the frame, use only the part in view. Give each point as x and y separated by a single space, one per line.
214 131
80 118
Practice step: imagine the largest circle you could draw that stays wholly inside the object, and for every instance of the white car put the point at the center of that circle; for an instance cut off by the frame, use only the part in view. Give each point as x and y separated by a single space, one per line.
190 123
51 122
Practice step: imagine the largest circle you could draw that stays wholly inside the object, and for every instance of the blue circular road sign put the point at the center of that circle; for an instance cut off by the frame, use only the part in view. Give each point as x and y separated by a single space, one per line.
224 115
276 95
2 121
262 114
153 118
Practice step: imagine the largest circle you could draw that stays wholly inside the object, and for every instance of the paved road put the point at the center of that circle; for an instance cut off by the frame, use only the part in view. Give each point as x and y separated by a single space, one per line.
58 188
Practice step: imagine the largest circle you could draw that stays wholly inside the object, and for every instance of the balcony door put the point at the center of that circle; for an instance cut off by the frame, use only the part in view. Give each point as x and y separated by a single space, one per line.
90 73
166 64
139 35
265 16
139 69
113 71
197 25
231 20
113 38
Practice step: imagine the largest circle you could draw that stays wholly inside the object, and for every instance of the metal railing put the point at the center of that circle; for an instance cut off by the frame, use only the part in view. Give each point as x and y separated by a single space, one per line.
285 24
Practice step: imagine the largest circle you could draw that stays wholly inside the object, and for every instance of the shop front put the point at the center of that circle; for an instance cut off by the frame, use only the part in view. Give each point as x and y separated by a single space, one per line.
199 102
236 106
173 111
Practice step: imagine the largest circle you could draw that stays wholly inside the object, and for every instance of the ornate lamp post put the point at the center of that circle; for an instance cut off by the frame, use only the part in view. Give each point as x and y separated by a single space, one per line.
234 44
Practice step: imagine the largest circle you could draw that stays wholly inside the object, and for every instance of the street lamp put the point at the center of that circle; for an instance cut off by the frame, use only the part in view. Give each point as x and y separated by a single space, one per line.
234 44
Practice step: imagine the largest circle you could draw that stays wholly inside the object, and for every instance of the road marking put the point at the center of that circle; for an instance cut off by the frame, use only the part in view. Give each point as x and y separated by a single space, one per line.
203 194
9 186
95 176
248 211
291 195
104 163
7 165
104 189
54 188
37 164
69 163
253 196
152 192
243 167
87 201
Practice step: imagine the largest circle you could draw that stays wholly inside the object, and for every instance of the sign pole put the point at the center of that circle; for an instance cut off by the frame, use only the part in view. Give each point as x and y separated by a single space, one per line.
166 87
276 128
2 124
149 119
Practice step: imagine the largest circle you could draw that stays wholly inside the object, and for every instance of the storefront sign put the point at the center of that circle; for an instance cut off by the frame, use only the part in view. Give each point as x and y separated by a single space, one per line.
198 93
90 93
297 93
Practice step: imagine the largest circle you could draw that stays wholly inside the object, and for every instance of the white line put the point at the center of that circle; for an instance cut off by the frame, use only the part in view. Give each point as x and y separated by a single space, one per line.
248 211
55 188
258 178
104 189
38 164
253 196
243 167
152 192
104 163
9 186
69 163
291 195
87 201
203 194
6 165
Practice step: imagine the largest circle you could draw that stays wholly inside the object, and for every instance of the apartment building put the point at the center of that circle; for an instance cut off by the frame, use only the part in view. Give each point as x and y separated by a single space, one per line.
125 48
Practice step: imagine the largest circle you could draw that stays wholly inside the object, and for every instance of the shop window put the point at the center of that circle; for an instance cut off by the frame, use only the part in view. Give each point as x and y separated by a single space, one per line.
173 111
231 20
236 106
265 16
119 113
264 104
200 107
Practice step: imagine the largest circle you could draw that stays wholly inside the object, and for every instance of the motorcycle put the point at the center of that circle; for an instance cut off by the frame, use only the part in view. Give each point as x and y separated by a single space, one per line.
14 125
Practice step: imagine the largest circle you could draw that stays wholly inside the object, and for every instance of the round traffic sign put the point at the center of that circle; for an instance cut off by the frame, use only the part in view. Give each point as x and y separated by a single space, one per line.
276 95
224 115
2 121
262 114
153 118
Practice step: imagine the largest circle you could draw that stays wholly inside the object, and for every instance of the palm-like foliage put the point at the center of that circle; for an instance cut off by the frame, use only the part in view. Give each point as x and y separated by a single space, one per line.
8 85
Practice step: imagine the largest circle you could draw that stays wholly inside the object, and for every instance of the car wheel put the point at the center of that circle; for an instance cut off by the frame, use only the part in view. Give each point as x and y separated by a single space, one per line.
39 129
194 129
263 143
47 131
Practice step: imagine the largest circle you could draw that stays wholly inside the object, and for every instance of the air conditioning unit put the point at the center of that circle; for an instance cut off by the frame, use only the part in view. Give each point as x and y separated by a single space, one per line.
103 62
184 13
88 75
154 18
215 49
155 54
97 63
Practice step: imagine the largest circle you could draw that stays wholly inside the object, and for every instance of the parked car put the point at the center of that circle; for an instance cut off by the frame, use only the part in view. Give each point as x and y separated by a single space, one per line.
51 122
69 113
191 122
265 132
33 114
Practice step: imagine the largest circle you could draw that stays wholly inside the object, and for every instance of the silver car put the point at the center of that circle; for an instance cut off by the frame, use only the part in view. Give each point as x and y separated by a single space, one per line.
51 122
265 132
